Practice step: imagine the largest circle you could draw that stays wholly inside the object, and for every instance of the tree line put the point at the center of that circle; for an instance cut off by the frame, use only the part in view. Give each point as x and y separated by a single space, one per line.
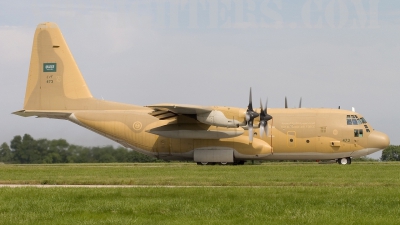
27 150
391 153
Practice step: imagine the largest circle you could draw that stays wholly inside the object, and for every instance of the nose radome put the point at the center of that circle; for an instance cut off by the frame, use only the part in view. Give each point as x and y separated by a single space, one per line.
378 140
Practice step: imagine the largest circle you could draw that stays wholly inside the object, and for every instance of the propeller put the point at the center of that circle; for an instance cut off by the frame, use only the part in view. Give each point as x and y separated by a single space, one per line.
264 117
250 116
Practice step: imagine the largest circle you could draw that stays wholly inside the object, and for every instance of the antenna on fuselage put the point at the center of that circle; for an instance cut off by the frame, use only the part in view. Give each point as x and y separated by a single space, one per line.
300 102
285 102
353 109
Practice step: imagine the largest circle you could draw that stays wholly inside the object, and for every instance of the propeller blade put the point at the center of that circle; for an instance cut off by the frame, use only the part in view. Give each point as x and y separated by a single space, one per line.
266 113
251 134
264 117
250 106
262 128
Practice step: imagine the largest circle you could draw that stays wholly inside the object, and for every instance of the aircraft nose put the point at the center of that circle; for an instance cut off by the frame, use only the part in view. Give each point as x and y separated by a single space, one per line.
378 140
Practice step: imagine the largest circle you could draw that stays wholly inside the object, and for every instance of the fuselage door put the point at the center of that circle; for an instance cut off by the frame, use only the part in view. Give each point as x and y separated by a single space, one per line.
163 146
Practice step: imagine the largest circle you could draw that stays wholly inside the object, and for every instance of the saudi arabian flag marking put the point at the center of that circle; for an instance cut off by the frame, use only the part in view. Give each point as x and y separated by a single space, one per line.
49 67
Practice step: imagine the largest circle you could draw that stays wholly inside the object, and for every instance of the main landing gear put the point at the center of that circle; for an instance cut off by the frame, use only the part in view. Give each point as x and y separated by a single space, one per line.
221 163
344 161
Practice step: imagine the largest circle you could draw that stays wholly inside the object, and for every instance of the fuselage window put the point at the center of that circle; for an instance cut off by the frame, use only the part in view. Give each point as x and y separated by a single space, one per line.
354 121
368 130
355 132
363 120
349 121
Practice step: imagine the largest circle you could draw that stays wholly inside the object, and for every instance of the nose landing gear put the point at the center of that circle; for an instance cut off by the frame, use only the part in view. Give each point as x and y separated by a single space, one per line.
344 161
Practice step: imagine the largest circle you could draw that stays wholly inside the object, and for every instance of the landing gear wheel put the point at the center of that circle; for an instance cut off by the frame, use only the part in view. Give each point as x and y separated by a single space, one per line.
344 161
224 163
239 162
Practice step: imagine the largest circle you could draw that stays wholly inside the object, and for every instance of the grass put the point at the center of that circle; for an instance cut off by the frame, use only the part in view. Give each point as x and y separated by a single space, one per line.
180 174
271 193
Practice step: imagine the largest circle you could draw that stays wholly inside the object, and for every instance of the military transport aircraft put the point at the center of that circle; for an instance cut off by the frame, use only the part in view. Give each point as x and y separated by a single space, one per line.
208 135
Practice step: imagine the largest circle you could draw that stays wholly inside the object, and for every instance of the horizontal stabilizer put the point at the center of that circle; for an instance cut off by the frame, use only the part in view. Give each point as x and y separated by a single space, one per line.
42 114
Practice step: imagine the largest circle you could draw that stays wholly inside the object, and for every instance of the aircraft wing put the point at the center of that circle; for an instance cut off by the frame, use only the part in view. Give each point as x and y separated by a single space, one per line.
221 127
165 111
203 114
181 108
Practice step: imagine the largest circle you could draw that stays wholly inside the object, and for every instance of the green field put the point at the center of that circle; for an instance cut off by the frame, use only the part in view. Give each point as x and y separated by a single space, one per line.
270 193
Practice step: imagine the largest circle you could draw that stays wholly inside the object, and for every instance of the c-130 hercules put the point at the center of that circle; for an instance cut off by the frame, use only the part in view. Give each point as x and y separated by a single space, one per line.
213 134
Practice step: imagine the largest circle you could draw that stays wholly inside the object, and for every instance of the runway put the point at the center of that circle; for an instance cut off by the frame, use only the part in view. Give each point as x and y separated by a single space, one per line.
112 186
85 186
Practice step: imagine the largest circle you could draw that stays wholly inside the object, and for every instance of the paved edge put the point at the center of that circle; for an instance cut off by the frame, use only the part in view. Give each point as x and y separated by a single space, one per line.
113 186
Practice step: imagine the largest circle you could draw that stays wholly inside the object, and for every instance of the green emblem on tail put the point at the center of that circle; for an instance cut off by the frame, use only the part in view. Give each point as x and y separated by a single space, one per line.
49 67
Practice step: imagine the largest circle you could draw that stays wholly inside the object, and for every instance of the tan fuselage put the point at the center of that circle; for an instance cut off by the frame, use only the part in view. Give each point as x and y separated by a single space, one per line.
294 133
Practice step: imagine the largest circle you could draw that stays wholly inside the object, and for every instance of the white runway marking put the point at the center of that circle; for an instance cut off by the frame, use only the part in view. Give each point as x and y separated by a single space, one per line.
114 186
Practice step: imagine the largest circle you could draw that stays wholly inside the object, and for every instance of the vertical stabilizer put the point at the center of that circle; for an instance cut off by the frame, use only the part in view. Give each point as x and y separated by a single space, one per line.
54 80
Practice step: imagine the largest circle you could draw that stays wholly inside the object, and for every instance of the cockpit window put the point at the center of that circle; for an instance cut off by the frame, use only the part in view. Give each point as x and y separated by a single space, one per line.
354 120
358 132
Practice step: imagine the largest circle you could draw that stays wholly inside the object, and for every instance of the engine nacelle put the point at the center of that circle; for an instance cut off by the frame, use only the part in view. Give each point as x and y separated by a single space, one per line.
217 118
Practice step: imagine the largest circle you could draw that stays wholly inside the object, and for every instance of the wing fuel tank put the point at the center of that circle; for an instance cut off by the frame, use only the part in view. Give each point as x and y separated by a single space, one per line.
193 131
